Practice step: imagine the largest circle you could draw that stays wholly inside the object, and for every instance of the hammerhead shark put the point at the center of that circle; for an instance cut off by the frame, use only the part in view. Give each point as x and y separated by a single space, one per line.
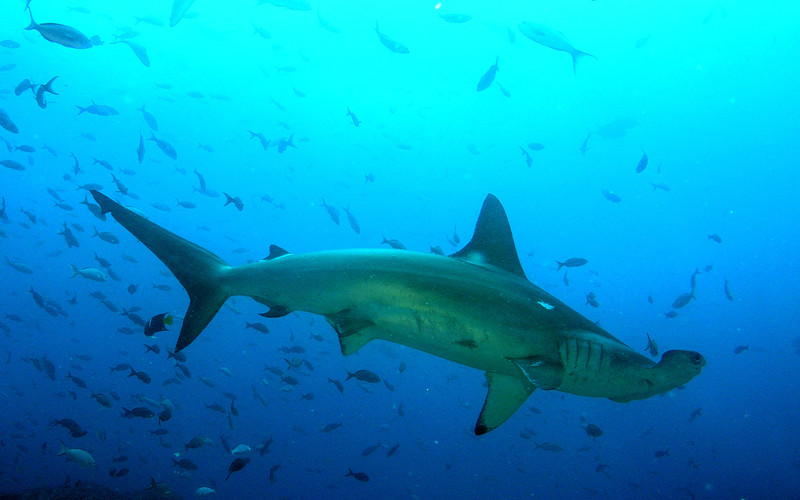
475 307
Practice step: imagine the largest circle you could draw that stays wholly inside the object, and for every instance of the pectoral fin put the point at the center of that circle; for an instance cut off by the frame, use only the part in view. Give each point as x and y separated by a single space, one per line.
542 373
506 394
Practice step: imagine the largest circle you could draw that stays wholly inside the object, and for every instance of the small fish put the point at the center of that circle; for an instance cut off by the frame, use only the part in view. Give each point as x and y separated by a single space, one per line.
352 220
138 412
550 38
139 51
185 464
164 146
353 117
572 262
551 447
272 471
98 109
390 44
715 237
661 453
333 212
594 431
642 163
652 346
396 244
80 457
140 149
528 158
237 465
585 145
488 77
682 300
60 34
7 123
364 376
741 348
613 198
360 476
369 450
89 273
728 293
259 327
338 384
591 300
237 202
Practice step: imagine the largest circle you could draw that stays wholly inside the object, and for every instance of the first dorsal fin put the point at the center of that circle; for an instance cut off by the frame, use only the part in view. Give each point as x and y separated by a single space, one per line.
492 242
275 251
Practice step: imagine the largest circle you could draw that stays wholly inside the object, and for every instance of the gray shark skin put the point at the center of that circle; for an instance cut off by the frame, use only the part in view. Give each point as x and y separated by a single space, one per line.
475 307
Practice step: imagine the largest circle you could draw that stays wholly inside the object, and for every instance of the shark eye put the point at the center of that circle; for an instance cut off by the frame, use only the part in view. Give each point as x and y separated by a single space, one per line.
697 358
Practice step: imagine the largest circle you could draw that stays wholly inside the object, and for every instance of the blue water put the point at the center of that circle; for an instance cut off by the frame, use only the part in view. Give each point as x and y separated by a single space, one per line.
711 89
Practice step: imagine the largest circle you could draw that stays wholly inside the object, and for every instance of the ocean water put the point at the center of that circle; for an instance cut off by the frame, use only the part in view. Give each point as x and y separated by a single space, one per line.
707 90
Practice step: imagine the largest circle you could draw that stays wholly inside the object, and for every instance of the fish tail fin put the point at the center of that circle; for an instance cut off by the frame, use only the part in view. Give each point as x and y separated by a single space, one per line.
75 270
198 270
229 199
33 24
63 448
576 56
560 264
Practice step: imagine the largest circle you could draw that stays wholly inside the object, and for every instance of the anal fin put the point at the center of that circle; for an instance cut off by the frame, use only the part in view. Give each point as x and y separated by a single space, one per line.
506 394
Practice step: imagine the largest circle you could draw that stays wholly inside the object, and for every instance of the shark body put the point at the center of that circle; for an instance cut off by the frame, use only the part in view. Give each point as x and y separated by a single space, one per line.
475 308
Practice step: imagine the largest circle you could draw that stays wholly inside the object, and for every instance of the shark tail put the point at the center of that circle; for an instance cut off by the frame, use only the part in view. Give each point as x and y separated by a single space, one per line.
199 271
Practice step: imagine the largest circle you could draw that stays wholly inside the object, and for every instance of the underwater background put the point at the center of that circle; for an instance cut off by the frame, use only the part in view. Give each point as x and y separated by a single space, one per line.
666 157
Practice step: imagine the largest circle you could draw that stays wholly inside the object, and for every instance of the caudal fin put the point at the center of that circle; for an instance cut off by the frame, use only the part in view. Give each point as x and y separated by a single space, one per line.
576 56
198 270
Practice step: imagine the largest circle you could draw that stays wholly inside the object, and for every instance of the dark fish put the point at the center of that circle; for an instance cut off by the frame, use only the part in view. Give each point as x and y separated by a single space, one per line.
353 117
77 381
69 237
553 39
333 212
437 250
671 314
357 475
140 149
164 146
104 400
157 323
715 237
138 412
741 348
97 109
285 143
536 146
594 431
369 450
9 44
179 356
272 471
237 202
155 349
122 472
551 447
352 220
263 140
728 293
572 262
119 368
651 346
682 300
528 158
389 43
185 464
139 51
331 427
259 327
196 442
265 446
591 300
337 384
661 453
585 145
106 236
12 164
72 426
364 376
237 465
396 244
60 34
7 123
391 451
488 77
613 198
144 377
642 163
662 187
